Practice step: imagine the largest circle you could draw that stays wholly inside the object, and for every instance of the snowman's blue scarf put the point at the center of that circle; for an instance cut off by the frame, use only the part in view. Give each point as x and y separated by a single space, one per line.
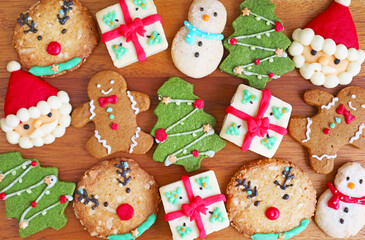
193 31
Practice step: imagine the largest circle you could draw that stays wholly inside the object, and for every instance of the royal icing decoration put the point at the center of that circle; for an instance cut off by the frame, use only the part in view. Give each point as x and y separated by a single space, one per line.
24 20
133 139
102 141
54 69
334 202
193 31
308 130
358 133
92 108
331 104
66 7
246 187
85 199
134 103
320 158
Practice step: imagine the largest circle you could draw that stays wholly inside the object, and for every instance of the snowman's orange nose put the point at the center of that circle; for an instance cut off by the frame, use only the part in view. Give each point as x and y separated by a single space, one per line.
206 18
351 185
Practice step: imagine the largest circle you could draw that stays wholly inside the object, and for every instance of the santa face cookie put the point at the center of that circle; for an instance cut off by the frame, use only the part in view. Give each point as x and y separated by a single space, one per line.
35 112
270 199
340 120
132 31
54 37
113 110
340 209
116 199
197 48
327 51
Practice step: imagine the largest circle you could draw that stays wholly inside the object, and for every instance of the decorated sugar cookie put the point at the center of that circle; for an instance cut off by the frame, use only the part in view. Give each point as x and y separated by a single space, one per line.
35 112
194 206
132 31
116 200
256 120
257 47
113 109
340 120
327 50
340 209
54 37
270 199
33 194
197 48
184 132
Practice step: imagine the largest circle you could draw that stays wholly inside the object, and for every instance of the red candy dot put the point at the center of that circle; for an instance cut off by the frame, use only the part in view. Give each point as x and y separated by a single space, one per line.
233 41
272 213
257 61
278 27
2 196
161 135
63 199
34 163
114 126
271 75
33 204
199 103
195 153
54 48
125 212
326 131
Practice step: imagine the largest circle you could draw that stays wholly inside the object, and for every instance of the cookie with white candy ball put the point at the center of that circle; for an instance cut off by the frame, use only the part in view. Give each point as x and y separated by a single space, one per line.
327 50
36 113
341 208
197 48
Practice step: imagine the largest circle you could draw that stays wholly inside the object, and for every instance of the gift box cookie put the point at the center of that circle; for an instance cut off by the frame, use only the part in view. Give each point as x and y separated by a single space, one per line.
132 31
194 206
256 120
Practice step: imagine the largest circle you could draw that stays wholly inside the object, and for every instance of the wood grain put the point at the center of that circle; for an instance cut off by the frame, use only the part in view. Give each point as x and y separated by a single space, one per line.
70 156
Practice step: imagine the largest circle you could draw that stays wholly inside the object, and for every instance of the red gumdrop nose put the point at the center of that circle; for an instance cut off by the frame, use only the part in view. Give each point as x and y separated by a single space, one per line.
125 211
272 213
54 48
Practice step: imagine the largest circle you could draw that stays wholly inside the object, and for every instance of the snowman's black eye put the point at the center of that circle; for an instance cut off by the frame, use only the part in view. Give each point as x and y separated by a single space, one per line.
64 31
337 61
347 178
360 181
215 14
26 126
49 114
286 197
39 37
202 9
314 52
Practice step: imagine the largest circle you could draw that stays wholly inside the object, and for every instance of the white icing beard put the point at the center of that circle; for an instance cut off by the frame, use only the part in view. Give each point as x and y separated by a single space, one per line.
315 72
46 133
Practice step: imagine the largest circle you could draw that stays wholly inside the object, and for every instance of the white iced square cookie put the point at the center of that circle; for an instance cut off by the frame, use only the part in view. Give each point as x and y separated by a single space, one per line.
266 131
143 24
179 202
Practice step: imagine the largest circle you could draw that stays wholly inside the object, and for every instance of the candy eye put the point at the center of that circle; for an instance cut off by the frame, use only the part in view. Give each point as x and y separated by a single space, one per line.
314 52
128 190
337 61
347 178
112 82
215 14
39 37
98 86
286 197
106 204
257 203
201 9
360 181
49 114
64 31
26 126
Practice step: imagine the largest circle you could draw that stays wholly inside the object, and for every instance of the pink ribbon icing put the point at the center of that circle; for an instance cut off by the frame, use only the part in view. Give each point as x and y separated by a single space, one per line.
130 29
348 117
103 101
195 207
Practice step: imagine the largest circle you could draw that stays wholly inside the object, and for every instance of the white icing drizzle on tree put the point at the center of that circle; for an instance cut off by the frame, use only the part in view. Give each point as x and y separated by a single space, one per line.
92 108
332 103
134 137
350 105
324 156
358 133
102 141
134 103
308 130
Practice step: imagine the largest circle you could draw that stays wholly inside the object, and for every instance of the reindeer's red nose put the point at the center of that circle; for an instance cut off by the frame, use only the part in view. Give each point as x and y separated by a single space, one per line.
54 48
125 211
272 213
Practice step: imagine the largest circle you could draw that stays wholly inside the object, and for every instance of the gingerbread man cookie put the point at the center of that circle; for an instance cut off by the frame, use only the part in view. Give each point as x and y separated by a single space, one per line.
113 110
340 120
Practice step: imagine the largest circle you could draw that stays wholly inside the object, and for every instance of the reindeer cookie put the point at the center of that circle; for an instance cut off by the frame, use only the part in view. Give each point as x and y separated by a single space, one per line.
54 37
340 120
116 199
113 110
270 199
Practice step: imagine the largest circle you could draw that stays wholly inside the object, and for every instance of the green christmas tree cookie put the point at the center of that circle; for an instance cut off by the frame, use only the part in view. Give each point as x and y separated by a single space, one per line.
184 132
33 194
257 47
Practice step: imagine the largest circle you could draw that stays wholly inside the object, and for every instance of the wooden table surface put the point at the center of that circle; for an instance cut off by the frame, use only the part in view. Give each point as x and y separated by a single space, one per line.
70 156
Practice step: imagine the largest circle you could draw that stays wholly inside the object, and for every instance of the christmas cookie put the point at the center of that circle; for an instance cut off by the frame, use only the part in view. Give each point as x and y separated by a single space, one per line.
194 206
340 209
116 199
184 132
197 48
35 112
327 51
270 199
33 194
54 37
132 31
340 120
256 120
113 109
257 47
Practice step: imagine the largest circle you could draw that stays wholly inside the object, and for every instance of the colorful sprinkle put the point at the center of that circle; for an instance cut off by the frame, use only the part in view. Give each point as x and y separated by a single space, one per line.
109 109
233 41
326 131
257 62
338 120
271 75
114 126
111 116
332 125
33 204
279 27
195 153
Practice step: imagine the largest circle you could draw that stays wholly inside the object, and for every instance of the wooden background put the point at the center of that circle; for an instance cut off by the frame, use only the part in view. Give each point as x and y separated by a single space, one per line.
70 156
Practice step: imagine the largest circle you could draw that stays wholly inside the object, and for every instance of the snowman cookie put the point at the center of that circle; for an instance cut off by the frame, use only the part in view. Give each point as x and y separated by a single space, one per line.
116 199
35 112
113 109
270 199
197 48
340 210
54 37
327 50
